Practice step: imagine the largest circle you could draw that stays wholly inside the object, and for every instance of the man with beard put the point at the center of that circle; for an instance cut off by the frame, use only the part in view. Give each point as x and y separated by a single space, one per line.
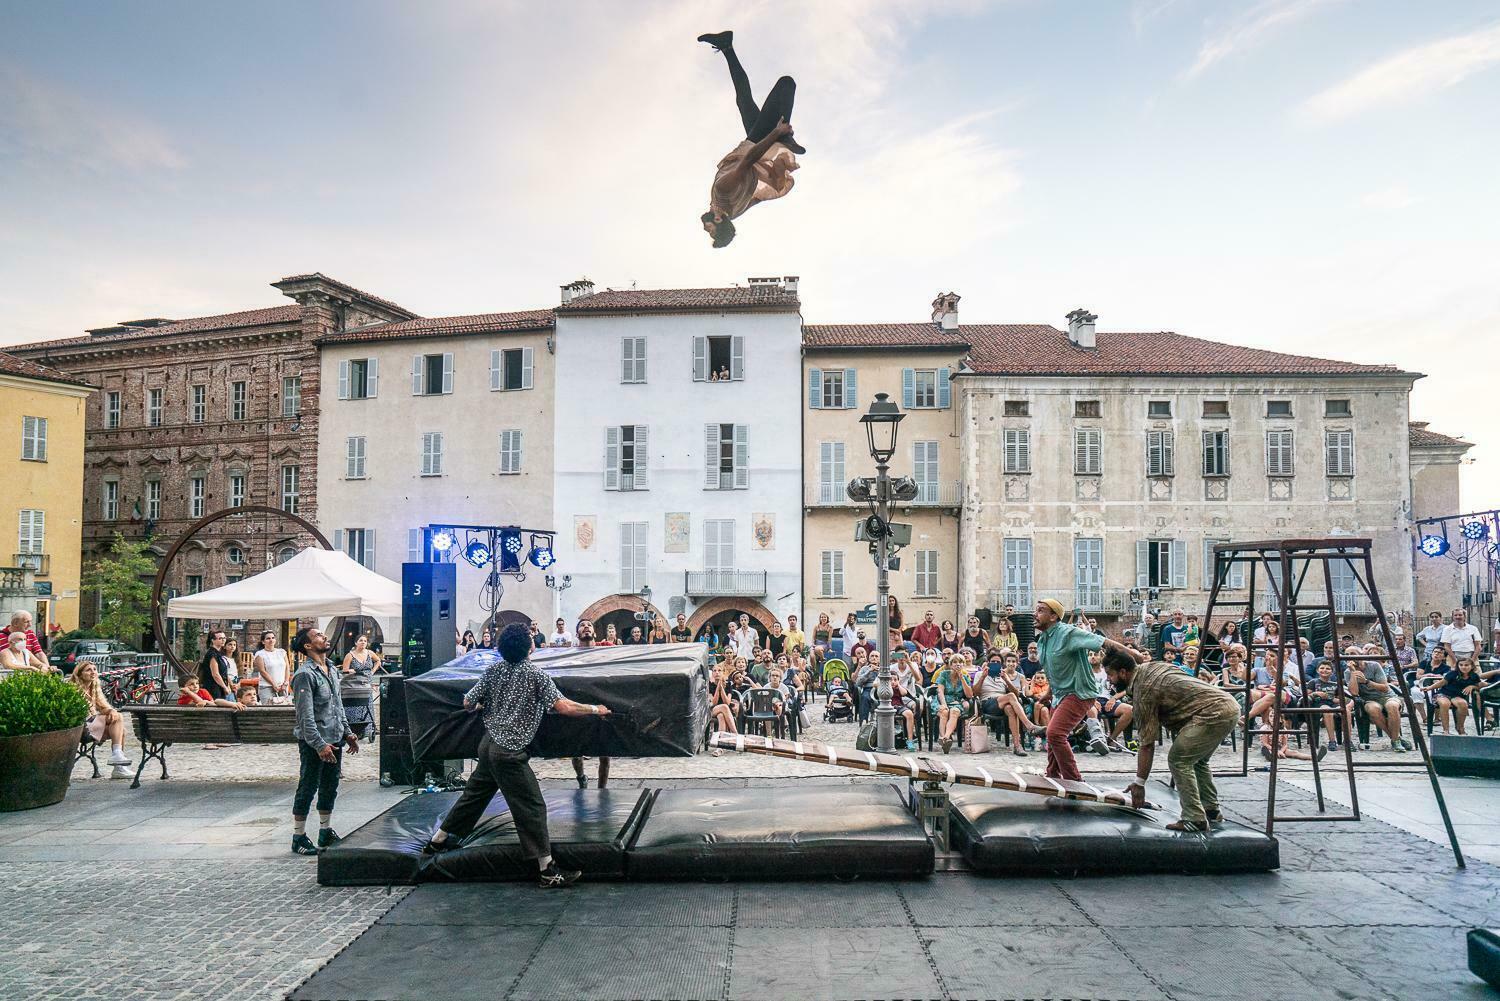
322 731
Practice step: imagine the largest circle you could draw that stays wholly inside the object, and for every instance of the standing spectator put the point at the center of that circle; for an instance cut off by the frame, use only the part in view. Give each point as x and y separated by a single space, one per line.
1431 637
635 638
1461 637
659 633
584 632
775 640
796 639
15 656
1174 636
270 667
863 674
1005 636
322 732
486 639
926 634
708 637
213 668
560 636
232 657
538 638
680 632
848 634
356 689
950 642
747 630
103 720
20 622
893 609
1371 687
975 639
1405 655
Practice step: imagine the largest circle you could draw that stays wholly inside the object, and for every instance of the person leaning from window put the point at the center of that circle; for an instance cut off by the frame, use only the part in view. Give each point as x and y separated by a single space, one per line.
322 731
514 696
214 667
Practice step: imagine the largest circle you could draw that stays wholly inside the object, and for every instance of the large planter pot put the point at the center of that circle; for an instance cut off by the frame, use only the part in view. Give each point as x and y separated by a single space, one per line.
34 769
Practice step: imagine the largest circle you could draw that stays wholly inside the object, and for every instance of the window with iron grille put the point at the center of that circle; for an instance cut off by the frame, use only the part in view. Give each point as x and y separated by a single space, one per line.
1160 460
1280 458
1216 453
1017 450
1088 454
1339 452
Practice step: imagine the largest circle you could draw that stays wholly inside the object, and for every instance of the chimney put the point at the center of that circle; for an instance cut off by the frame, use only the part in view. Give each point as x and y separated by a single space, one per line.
1081 327
576 290
790 283
945 311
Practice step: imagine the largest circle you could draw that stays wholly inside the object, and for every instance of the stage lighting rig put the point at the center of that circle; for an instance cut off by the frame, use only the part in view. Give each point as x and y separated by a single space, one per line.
478 554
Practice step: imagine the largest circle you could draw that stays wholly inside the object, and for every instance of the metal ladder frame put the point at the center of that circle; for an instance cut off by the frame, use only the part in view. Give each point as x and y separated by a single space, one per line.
1292 560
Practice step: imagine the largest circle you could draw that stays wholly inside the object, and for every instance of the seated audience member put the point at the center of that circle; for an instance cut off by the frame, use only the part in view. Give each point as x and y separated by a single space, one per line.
1323 693
974 638
949 641
1116 706
190 693
15 657
1031 664
1191 662
1430 675
905 702
993 698
784 701
1040 690
1455 690
248 697
822 639
1283 749
926 634
1235 674
775 639
1005 635
946 696
1368 682
1264 678
104 720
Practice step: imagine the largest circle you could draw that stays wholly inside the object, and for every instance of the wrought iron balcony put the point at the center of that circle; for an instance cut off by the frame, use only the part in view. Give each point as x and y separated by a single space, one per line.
724 583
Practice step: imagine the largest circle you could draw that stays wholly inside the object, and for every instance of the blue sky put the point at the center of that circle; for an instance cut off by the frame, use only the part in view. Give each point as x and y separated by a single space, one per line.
1307 175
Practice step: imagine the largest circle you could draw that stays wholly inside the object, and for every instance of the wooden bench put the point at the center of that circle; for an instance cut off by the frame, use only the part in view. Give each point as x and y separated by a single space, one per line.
159 727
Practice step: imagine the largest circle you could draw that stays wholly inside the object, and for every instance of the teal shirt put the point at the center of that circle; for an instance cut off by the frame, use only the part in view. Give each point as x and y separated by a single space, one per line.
1064 651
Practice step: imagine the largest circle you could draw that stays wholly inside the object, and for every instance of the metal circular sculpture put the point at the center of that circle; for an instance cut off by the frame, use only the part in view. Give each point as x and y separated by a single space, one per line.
157 628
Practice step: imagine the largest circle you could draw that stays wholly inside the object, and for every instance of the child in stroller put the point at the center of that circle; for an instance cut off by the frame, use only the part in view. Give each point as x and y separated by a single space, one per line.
839 706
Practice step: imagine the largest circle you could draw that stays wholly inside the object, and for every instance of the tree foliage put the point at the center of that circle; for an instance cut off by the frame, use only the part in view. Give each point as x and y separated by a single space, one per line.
123 582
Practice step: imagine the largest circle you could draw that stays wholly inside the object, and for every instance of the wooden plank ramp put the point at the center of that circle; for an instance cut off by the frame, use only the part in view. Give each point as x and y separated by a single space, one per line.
915 765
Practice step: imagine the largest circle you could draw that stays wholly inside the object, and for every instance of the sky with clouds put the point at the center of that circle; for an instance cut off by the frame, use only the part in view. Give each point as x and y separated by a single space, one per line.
1308 175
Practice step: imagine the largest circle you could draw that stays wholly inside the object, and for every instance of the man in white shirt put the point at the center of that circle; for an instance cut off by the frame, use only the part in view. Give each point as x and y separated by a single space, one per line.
560 635
1429 638
1461 637
745 638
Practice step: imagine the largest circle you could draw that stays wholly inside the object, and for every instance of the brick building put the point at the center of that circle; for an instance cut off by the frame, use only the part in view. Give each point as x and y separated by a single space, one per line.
196 415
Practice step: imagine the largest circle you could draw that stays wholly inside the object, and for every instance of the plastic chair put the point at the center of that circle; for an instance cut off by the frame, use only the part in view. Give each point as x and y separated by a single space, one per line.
758 709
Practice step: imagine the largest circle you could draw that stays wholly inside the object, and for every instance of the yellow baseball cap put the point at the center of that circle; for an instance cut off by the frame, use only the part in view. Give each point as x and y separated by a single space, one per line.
1055 605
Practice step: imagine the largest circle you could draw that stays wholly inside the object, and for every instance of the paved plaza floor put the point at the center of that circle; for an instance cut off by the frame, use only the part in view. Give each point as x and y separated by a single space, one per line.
185 889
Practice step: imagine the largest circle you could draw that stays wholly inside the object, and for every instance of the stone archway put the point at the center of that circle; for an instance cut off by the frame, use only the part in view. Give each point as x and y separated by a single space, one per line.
610 605
717 607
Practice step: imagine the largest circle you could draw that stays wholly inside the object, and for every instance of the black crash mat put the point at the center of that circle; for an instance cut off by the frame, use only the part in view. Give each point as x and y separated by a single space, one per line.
1484 955
589 829
779 833
658 697
1014 833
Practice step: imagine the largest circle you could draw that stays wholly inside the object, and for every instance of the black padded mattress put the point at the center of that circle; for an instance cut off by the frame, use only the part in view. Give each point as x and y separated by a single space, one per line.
657 695
589 829
1013 833
779 833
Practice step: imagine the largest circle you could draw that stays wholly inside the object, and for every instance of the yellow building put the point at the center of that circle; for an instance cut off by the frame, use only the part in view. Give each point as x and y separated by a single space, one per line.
41 493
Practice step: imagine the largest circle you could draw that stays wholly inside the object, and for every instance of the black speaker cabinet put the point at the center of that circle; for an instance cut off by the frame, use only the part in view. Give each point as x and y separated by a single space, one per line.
428 615
1466 757
986 619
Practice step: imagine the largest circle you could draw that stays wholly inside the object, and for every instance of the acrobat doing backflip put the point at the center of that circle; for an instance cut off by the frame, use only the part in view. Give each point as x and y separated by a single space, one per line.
760 168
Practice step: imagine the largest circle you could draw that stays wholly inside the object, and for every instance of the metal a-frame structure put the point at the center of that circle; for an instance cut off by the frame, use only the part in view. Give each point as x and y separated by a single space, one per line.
1298 575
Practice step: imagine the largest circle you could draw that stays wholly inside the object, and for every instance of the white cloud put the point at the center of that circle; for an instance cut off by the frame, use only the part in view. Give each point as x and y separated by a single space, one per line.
1391 199
55 129
1249 30
1407 75
1143 12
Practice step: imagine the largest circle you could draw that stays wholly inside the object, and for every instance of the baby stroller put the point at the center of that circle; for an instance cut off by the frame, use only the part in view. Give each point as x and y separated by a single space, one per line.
839 706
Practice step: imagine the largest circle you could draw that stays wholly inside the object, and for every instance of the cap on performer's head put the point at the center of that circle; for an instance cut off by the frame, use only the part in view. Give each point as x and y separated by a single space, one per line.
515 643
1055 605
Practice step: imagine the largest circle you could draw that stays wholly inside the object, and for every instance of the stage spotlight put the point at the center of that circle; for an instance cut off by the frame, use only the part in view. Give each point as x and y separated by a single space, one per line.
541 555
1433 545
442 540
478 554
1475 530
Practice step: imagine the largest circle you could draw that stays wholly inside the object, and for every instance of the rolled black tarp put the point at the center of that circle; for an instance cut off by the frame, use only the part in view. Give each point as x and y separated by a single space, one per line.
657 696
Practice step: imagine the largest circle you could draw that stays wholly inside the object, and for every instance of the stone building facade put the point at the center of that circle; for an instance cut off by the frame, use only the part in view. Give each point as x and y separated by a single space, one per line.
1442 584
192 416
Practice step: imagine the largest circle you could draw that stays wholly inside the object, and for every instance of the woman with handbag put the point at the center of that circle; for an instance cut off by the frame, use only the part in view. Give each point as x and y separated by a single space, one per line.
947 698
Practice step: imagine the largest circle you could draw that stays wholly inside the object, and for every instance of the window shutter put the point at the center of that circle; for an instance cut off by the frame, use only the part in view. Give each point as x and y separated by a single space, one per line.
1179 563
711 456
908 388
414 545
526 356
736 358
1208 564
496 369
517 445
814 387
741 456
416 375
642 457
1166 455
700 359
447 371
611 458
945 389
369 549
338 539
627 556
849 388
627 359
343 380
1142 563
1024 439
372 376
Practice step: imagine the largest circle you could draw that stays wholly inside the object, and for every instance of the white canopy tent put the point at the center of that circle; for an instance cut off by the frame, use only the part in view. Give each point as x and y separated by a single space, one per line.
318 583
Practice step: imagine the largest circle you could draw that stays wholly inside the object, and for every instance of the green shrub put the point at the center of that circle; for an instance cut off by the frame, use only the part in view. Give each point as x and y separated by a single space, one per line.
39 703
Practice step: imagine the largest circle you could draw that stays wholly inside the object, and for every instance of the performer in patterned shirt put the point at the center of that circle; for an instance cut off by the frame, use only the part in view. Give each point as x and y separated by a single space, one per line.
514 696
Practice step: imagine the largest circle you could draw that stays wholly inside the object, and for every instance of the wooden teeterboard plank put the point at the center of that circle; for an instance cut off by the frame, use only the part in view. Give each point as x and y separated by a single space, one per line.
920 767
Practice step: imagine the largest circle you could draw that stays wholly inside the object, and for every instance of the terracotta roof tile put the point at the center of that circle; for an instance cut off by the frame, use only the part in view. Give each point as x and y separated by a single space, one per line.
11 365
882 335
221 321
447 326
666 300
1418 435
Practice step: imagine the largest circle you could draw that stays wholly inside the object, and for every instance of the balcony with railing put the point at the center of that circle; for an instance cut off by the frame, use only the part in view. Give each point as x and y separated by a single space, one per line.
724 583
1344 602
929 494
1094 600
39 564
16 583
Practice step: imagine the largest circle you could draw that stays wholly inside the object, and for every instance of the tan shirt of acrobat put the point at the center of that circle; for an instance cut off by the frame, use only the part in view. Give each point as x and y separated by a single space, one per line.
1165 694
733 192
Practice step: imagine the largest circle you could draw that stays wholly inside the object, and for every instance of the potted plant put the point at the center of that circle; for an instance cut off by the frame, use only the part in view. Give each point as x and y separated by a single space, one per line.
41 720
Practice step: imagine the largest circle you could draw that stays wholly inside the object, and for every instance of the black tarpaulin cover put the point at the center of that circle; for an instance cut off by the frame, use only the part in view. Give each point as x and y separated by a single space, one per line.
657 696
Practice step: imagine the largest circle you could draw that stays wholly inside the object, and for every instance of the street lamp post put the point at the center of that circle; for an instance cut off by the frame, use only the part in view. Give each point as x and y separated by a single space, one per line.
557 587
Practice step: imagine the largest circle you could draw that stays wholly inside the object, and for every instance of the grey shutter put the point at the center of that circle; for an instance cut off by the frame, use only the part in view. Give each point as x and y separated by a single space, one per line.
447 371
414 545
416 376
945 389
1167 444
526 357
611 458
338 539
627 556
369 549
1208 564
736 358
1179 563
711 456
642 457
372 376
343 380
814 386
1024 446
1142 564
497 367
627 359
908 388
741 456
700 359
517 446
849 388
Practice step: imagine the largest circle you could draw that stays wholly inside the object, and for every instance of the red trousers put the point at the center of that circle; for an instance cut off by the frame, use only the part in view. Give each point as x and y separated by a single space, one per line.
1065 719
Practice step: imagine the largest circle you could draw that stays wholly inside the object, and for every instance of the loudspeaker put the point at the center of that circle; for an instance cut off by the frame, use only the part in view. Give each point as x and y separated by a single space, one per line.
428 610
1475 757
986 619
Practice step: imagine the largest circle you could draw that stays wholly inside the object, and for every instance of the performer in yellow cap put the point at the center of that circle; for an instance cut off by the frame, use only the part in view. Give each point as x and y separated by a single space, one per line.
1064 651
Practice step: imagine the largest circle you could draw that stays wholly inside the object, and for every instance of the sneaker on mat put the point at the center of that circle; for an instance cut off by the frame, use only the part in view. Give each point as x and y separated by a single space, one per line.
552 878
302 845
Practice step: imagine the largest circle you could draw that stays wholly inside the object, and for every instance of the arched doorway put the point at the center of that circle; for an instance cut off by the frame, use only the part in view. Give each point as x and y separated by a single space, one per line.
618 610
718 612
503 618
